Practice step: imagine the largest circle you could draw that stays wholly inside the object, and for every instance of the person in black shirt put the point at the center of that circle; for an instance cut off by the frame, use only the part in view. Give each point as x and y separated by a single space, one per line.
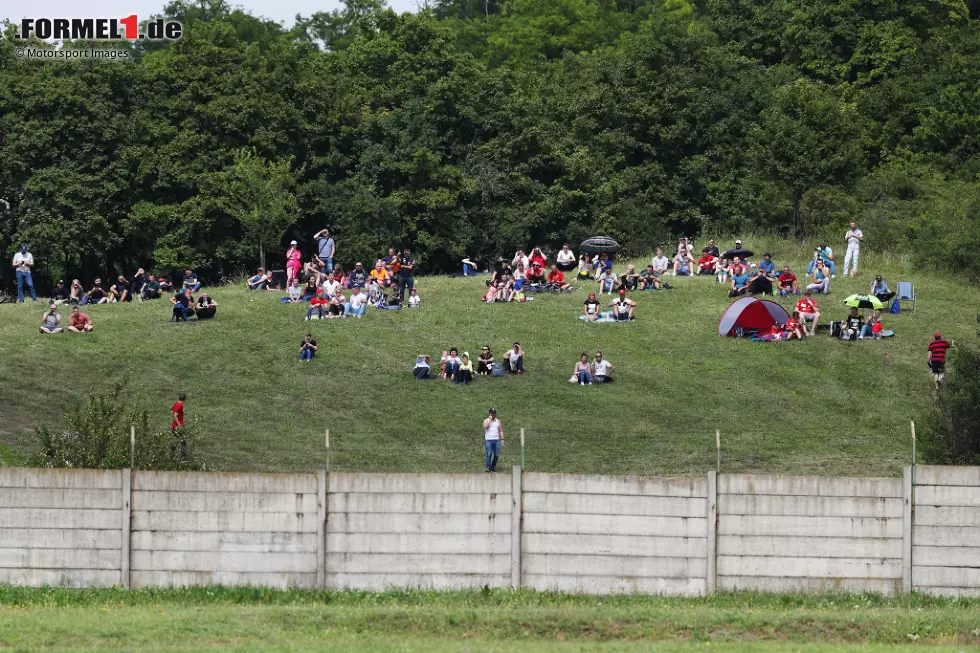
358 276
121 291
307 348
60 293
183 305
151 290
138 287
206 307
852 326
97 295
591 308
406 272
712 248
190 281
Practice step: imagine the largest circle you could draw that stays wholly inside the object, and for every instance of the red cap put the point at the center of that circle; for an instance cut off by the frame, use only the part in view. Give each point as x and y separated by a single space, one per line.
937 335
622 291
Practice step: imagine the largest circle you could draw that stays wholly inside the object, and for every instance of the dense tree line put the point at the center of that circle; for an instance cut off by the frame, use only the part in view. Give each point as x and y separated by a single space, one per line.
478 126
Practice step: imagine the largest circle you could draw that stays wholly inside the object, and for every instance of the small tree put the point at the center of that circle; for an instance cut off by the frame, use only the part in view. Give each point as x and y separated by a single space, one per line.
259 194
958 402
96 436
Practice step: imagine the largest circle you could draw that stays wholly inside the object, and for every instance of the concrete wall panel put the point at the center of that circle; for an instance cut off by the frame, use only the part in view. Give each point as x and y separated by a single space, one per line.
428 503
224 482
615 485
420 483
809 486
605 504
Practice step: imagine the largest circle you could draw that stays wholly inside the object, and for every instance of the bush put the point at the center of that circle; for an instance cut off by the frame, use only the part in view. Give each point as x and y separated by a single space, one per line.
958 403
96 436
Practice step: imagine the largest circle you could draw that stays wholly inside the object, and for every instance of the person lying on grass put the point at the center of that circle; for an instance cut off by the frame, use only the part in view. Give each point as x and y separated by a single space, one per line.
602 369
79 322
591 308
50 320
623 307
582 371
515 360
318 306
484 363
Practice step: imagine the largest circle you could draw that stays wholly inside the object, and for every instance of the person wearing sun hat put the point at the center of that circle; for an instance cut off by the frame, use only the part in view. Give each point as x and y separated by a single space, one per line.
294 262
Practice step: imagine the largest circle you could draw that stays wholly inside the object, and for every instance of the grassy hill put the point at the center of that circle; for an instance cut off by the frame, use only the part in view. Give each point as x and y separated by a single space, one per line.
817 407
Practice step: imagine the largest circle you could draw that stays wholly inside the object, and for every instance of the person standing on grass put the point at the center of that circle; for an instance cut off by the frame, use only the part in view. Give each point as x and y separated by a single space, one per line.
177 424
406 273
23 262
493 436
854 237
294 261
326 248
936 358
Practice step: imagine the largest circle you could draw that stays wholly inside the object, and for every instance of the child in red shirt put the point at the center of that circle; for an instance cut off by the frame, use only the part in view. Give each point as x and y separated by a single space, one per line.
177 412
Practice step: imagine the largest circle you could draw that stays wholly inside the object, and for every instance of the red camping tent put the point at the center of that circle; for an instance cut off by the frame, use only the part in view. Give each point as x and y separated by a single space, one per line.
751 313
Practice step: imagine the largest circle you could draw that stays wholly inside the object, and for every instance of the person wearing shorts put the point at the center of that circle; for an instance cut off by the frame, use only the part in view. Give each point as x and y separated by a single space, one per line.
937 357
807 308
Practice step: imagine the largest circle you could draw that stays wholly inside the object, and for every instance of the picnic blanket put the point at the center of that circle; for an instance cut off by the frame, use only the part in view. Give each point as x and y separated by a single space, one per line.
605 316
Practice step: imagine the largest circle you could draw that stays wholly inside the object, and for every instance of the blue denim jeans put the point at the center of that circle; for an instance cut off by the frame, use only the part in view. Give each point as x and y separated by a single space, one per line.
307 355
354 311
451 369
493 454
329 263
468 270
831 264
585 377
25 278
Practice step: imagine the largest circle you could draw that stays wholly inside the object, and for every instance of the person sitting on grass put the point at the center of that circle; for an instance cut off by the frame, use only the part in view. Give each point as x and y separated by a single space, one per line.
259 281
723 271
683 261
852 326
165 283
807 309
98 294
60 294
535 273
138 286
206 307
492 294
121 291
318 306
51 320
183 305
713 249
357 303
79 322
872 328
794 327
538 256
307 348
738 266
337 304
707 263
506 289
565 259
582 372
414 301
586 270
515 360
824 254
788 285
358 276
330 287
294 293
591 308
821 279
759 283
452 364
190 280
391 263
315 267
660 262
767 266
557 278
380 274
309 288
607 281
464 373
76 293
152 289
521 258
421 369
602 369
623 307
880 290
649 279
630 280
739 283
484 364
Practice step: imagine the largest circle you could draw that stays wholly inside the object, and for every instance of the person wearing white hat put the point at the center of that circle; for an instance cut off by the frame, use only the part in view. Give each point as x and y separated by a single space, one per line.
293 262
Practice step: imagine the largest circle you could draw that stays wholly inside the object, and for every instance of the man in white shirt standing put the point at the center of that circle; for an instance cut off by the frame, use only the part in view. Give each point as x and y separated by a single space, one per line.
493 436
23 262
853 238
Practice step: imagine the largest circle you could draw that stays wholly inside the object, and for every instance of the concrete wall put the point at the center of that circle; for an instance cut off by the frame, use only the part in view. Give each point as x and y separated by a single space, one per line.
227 529
600 535
946 535
426 530
782 533
61 527
591 534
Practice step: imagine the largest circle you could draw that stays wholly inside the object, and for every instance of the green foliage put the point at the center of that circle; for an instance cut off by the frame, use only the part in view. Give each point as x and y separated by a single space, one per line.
959 403
96 435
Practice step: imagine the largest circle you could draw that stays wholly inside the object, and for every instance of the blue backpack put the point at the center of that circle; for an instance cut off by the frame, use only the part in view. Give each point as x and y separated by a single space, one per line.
896 307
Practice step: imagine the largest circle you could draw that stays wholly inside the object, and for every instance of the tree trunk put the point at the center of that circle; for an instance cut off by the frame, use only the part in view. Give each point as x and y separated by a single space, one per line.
796 215
261 256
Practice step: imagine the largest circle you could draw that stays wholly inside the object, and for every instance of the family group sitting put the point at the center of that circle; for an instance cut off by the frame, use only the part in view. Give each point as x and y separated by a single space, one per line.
597 371
510 281
623 308
460 369
854 326
600 269
142 287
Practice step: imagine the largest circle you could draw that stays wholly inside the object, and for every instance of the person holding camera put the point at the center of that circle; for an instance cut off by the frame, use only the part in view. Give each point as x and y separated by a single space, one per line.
493 437
307 348
50 320
825 255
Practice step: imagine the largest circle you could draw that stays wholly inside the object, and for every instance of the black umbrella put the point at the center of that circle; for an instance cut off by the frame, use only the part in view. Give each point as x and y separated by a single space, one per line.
739 252
600 245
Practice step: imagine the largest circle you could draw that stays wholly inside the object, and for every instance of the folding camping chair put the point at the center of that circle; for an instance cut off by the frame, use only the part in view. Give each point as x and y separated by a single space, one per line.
906 292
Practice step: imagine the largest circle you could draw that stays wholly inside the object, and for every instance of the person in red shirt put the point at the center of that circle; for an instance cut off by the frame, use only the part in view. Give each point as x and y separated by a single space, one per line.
808 311
936 358
318 305
537 256
793 327
79 322
557 278
177 412
707 263
788 285
535 273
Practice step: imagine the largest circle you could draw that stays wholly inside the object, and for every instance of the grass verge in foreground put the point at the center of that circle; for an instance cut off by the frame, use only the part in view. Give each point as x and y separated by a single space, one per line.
265 620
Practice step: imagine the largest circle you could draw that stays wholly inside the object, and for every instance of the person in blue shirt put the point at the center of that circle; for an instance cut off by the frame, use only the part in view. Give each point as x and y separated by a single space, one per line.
826 255
190 281
767 266
739 283
880 289
326 248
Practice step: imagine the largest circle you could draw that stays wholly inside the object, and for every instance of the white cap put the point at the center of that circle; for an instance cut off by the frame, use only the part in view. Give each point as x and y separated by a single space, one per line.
293 243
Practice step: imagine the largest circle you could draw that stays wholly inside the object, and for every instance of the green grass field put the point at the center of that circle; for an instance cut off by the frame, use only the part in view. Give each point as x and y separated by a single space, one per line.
249 619
817 407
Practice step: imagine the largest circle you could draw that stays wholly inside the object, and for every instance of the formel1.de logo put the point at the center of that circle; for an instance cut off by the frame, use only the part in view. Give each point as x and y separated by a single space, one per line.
99 29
